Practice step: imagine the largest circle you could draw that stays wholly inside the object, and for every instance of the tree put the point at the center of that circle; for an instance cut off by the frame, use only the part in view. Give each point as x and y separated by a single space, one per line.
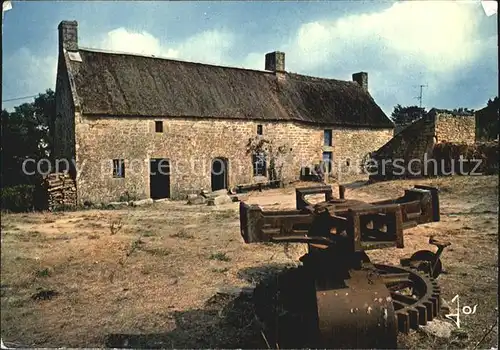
26 134
487 120
402 116
463 110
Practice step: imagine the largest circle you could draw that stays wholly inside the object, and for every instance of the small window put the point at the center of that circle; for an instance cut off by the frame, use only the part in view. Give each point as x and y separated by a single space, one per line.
328 137
259 164
259 129
159 126
118 168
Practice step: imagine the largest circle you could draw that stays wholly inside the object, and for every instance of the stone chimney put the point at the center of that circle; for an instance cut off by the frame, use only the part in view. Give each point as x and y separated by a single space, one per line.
68 35
362 79
275 61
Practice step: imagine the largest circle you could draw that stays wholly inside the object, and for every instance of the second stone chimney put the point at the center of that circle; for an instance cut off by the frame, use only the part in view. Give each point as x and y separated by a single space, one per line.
275 61
68 35
362 79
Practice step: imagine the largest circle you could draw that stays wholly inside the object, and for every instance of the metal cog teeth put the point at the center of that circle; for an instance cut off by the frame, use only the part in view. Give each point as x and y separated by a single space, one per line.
423 309
422 315
413 314
430 311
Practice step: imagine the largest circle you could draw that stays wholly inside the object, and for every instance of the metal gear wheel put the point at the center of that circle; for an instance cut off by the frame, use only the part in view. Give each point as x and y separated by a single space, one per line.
420 303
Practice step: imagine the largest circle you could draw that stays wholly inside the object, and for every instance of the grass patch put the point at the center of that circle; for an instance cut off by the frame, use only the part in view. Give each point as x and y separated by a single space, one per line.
146 270
220 270
148 234
93 236
157 251
8 227
225 214
34 234
93 225
29 236
219 256
62 237
43 273
182 234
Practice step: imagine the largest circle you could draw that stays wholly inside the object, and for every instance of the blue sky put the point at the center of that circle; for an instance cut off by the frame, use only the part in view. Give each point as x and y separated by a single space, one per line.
450 46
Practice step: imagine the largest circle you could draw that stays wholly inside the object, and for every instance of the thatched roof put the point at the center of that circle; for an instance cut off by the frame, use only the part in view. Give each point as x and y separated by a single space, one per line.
119 84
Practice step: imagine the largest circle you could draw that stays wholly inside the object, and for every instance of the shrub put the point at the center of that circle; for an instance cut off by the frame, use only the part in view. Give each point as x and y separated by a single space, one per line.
487 152
18 198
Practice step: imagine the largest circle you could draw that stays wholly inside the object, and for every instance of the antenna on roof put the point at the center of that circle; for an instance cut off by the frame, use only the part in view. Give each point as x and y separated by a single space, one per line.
420 96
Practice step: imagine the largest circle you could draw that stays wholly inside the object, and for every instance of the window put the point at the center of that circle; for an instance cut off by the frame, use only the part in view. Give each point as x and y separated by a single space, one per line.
327 162
259 164
259 129
328 137
118 168
159 126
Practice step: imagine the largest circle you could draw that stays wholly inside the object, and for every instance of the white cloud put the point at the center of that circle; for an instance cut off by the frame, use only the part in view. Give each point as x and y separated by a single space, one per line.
122 40
207 47
27 74
438 35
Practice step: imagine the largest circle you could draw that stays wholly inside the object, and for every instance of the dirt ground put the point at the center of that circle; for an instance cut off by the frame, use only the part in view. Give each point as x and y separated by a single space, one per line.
167 275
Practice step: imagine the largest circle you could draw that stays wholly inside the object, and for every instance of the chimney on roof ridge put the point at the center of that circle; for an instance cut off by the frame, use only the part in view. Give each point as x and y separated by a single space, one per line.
362 79
68 35
275 61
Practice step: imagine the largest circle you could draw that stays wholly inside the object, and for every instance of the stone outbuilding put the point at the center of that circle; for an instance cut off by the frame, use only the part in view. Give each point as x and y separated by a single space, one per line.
406 154
149 127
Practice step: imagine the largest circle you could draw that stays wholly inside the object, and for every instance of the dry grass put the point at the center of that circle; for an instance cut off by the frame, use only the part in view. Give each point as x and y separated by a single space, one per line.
156 281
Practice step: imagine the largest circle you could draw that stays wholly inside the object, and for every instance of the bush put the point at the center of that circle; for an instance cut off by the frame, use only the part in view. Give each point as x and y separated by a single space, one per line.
18 198
486 152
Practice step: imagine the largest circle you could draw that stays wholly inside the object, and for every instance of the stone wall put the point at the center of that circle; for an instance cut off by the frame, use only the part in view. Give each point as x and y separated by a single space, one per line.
409 149
350 146
64 123
413 143
191 145
455 128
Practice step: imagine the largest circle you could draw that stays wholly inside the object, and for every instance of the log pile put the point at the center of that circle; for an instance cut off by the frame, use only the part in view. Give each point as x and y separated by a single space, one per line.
60 190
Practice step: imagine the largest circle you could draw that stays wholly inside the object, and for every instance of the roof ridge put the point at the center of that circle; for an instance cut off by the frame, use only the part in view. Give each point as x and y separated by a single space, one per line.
291 74
321 78
170 59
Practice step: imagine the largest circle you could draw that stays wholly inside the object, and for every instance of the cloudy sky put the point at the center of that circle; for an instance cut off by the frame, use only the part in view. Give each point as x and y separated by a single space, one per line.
450 46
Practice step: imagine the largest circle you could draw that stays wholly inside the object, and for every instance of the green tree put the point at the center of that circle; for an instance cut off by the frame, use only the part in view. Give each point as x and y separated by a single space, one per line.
487 120
26 134
463 110
402 116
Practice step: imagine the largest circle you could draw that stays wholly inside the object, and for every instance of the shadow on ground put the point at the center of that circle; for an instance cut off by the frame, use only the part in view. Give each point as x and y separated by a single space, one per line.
227 321
256 274
356 184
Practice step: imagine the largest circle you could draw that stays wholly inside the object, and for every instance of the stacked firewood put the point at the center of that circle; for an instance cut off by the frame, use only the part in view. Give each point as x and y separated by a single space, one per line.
60 189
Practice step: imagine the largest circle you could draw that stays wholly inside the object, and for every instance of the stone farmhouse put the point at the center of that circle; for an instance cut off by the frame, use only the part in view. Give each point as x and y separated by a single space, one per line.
152 127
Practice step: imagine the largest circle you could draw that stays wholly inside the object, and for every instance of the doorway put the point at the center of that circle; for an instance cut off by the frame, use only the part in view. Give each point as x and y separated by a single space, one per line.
219 173
159 178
